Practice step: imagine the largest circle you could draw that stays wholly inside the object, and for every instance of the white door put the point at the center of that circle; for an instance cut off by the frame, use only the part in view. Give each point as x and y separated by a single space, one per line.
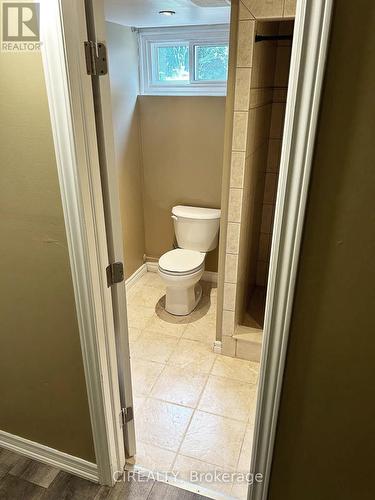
103 115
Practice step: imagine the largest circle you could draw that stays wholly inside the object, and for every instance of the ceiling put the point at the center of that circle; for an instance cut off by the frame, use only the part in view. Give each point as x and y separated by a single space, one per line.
145 13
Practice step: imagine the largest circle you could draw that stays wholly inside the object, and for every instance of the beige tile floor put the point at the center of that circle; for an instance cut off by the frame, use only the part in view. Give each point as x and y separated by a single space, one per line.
194 409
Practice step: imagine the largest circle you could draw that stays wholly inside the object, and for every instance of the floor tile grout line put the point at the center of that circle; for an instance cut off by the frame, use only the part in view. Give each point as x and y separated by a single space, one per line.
177 453
196 408
194 412
205 462
192 416
183 438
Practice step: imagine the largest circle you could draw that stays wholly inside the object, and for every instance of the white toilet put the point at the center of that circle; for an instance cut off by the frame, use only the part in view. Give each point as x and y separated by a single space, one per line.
197 231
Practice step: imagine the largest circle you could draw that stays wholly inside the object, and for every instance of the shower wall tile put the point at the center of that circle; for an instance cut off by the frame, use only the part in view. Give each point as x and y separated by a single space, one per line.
233 237
228 346
286 28
244 12
264 247
259 125
248 350
228 325
237 169
282 66
260 97
242 89
240 120
267 219
279 95
274 153
264 58
229 296
262 273
253 111
290 8
235 205
231 265
265 9
270 189
277 120
246 31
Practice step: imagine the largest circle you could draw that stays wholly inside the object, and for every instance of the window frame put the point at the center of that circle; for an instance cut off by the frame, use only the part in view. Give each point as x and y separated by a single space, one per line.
193 36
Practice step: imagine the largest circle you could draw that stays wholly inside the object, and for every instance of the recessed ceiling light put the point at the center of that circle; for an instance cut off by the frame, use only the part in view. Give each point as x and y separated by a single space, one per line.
167 12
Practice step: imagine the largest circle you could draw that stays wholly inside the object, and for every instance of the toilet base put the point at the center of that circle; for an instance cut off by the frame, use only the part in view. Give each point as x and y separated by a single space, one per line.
181 301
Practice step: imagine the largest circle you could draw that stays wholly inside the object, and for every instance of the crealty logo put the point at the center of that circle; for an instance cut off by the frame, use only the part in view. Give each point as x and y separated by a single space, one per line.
20 26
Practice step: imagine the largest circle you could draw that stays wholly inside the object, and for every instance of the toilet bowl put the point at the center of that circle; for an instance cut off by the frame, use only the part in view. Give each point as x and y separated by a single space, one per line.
181 269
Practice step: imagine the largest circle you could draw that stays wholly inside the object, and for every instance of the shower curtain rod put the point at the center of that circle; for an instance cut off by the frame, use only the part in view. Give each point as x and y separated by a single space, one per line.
265 38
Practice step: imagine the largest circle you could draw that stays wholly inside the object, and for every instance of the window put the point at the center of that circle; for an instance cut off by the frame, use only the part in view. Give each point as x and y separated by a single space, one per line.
184 61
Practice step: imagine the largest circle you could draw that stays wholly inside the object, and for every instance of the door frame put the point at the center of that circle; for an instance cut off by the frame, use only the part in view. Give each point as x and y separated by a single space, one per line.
73 124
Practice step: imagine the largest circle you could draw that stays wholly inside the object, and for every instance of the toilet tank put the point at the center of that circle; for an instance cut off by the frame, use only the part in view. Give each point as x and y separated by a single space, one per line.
196 228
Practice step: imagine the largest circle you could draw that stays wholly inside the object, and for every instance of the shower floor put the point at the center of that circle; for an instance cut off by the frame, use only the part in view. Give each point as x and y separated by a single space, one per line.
194 409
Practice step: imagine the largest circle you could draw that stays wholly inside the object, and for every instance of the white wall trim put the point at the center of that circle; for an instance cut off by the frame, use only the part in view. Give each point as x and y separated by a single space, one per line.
137 275
69 90
309 50
49 456
209 276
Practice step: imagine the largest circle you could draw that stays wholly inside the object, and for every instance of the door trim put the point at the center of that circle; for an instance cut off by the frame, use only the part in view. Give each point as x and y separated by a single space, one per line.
311 34
73 125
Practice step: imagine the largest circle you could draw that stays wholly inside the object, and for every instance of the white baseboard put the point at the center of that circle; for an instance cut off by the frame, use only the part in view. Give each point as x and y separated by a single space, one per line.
50 456
132 280
209 276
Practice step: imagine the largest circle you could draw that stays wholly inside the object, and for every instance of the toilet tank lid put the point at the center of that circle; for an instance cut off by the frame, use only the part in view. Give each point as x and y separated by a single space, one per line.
196 212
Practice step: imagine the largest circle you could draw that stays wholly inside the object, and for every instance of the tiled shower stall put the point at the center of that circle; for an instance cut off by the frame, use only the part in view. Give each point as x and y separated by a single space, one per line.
257 90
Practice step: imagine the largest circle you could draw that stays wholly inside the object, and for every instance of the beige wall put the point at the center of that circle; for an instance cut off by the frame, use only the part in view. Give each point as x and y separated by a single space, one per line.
324 443
182 145
42 385
123 67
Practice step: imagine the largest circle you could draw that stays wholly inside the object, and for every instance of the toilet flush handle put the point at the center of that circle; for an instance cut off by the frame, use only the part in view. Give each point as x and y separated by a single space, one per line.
174 217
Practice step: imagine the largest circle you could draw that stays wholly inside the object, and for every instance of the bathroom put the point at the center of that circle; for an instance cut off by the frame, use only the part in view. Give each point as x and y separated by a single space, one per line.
212 144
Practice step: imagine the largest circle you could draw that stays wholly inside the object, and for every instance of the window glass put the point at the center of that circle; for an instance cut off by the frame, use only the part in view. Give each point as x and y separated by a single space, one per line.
211 62
172 63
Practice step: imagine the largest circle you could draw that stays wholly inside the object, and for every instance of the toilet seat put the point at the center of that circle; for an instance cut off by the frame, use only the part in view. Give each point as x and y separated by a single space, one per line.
180 262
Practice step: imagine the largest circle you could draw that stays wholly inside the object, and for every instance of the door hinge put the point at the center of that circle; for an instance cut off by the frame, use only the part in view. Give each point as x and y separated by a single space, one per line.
126 415
96 58
115 273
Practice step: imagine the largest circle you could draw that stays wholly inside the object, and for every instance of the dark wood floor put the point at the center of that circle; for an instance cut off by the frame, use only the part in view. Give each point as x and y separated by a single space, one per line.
25 479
